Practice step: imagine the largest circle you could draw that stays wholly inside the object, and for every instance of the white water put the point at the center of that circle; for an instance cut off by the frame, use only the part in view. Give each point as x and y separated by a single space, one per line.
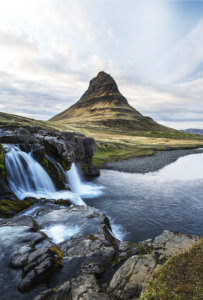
27 178
59 232
83 189
25 174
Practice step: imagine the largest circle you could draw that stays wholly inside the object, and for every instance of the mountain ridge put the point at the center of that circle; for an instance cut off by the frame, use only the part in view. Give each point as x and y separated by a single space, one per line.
102 104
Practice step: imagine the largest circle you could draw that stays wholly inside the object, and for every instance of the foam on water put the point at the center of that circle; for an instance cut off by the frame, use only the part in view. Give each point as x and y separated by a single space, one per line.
118 231
59 233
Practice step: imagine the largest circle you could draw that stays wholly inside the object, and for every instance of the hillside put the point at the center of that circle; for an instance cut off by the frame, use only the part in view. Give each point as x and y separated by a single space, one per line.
103 105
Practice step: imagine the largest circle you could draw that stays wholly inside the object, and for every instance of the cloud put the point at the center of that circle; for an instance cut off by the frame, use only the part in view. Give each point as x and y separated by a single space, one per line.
50 49
182 59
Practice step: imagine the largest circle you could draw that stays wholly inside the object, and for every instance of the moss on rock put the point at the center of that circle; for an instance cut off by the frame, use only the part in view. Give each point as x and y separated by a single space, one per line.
9 208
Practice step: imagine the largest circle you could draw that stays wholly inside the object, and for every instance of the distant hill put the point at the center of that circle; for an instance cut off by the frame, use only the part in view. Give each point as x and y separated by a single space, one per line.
193 131
103 105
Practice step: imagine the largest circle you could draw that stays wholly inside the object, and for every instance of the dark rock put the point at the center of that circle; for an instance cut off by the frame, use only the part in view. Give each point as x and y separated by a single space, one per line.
5 191
41 264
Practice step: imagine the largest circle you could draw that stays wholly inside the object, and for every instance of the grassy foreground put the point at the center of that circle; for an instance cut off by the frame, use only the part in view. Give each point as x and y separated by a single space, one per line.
180 278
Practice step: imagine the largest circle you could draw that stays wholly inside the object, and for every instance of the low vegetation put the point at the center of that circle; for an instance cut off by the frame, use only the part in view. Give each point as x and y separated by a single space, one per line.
107 152
181 277
113 144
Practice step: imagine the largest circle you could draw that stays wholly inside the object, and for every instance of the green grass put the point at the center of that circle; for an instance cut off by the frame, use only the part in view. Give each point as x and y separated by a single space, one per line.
111 152
180 278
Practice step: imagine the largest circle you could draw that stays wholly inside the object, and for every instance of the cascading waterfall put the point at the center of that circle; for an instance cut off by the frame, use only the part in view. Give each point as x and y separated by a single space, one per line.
25 174
27 178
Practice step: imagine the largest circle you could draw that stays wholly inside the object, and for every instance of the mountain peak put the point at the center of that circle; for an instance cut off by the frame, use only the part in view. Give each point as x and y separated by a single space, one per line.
103 105
103 82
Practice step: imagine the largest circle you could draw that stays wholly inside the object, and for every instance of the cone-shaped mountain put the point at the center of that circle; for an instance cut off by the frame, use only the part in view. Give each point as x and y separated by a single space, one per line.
103 105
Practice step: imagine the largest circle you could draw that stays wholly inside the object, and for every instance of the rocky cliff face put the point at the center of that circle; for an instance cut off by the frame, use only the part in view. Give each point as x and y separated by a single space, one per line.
103 105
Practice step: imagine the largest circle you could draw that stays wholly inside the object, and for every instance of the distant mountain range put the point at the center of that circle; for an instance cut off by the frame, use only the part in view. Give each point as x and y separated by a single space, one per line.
102 105
193 131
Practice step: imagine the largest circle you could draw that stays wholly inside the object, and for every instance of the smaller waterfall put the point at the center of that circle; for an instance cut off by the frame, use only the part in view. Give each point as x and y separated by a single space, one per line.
79 187
74 179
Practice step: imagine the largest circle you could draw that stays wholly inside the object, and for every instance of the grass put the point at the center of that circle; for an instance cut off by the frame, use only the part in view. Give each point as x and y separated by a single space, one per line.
112 152
181 277
113 143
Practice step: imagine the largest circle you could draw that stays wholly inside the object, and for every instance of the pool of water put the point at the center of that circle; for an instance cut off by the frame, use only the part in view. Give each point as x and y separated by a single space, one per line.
146 204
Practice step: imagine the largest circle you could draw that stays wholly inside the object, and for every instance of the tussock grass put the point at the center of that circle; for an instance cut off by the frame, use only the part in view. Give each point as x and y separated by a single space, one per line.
180 278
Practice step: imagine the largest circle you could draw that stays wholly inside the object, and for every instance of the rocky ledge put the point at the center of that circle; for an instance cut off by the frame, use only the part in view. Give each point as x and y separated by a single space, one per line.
72 253
54 146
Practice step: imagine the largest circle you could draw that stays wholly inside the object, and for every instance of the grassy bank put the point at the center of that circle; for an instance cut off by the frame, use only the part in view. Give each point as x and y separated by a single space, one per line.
110 152
181 277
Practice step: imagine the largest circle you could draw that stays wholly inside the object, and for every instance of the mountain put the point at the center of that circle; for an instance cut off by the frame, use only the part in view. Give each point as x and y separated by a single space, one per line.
193 131
103 105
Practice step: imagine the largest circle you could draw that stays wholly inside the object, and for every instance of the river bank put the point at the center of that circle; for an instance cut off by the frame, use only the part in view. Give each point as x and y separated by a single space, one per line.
149 163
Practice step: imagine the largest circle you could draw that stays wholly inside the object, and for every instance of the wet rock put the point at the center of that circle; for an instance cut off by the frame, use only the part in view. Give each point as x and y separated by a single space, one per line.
41 264
20 257
21 221
5 191
83 287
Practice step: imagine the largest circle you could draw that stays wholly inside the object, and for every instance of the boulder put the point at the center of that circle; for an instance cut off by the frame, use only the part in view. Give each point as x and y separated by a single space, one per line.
40 265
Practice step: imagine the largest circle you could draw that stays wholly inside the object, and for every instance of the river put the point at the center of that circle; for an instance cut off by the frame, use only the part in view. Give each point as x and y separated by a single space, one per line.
143 205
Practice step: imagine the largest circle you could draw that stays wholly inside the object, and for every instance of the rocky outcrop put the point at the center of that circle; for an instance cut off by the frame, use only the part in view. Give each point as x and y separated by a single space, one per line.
131 279
103 105
75 254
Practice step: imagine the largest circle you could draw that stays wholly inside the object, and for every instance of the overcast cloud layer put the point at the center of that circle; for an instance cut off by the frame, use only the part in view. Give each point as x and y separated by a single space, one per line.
50 49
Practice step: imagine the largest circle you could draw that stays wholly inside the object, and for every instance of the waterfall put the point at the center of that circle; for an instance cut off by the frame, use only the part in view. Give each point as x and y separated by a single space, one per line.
25 174
74 179
80 187
27 178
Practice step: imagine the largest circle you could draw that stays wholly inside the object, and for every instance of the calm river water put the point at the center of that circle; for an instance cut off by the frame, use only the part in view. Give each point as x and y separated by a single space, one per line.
143 205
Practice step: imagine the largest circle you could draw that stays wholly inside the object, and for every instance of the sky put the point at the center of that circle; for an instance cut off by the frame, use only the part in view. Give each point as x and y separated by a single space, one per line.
51 49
